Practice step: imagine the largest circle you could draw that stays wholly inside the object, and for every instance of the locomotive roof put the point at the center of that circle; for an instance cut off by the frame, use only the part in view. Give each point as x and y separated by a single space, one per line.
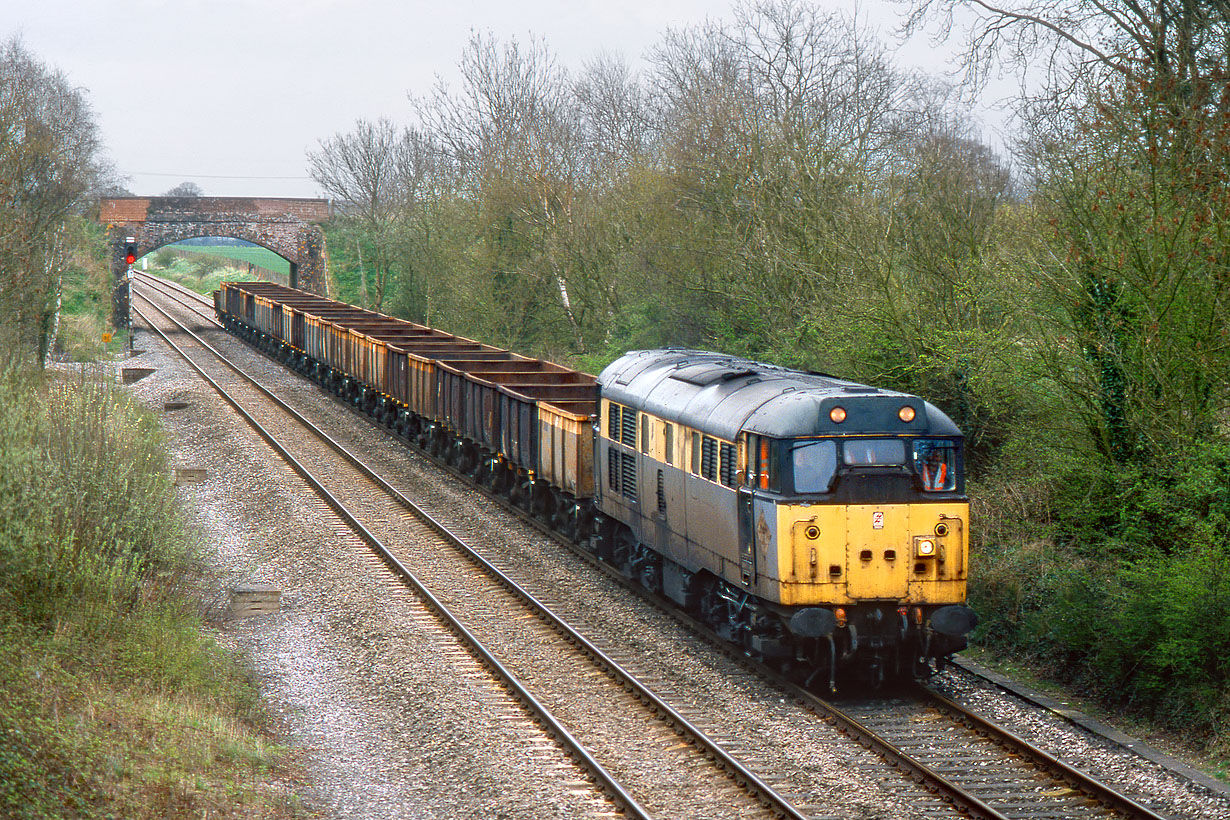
724 395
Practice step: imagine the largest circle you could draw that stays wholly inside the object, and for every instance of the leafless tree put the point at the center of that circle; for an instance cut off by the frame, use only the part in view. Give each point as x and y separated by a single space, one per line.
189 189
511 112
48 166
783 125
511 134
365 171
1174 43
614 116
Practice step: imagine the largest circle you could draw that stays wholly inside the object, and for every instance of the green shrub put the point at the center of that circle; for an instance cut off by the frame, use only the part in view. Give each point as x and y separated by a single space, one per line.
112 704
86 514
1127 590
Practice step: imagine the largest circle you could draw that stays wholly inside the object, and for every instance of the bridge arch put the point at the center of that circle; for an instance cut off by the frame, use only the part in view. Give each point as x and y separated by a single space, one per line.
288 227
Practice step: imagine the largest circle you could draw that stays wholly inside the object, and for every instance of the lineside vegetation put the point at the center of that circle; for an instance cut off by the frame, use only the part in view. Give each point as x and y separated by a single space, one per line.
774 185
113 702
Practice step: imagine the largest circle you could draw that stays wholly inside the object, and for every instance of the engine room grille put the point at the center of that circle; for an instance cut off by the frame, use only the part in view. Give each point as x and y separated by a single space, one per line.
628 427
728 464
628 476
612 469
708 458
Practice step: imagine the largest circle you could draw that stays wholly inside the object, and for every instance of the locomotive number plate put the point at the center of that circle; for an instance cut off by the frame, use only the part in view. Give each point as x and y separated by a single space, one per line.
877 520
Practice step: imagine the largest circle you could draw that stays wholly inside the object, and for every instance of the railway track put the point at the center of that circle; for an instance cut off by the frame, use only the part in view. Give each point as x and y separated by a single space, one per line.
938 744
1002 774
604 711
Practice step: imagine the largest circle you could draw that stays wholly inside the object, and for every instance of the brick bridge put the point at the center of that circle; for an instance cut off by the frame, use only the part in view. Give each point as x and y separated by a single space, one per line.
288 227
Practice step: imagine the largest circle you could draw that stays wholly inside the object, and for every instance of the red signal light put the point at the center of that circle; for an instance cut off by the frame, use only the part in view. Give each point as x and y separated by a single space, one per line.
130 254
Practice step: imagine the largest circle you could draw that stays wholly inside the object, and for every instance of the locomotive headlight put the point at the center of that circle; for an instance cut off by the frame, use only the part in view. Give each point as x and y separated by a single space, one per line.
906 414
925 547
838 415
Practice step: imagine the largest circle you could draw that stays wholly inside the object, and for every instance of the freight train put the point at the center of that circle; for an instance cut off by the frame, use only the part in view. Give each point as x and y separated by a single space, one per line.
819 524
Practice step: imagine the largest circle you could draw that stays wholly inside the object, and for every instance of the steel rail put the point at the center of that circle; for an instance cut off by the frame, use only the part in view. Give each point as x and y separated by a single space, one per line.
552 724
960 797
157 281
779 803
1081 781
967 802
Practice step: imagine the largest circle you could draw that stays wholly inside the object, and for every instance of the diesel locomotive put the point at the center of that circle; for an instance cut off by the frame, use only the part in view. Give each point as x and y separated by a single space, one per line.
817 523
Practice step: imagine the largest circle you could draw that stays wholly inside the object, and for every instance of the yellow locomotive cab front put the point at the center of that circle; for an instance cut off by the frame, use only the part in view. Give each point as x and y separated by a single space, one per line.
844 554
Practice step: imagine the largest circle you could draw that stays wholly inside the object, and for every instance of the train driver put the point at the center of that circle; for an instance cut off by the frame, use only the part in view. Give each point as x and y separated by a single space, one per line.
933 462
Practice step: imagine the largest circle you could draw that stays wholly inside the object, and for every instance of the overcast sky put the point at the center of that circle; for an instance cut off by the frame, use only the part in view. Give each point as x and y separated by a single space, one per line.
231 94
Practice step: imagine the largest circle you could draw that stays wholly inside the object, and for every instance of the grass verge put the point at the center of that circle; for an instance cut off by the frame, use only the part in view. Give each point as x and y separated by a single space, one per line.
113 701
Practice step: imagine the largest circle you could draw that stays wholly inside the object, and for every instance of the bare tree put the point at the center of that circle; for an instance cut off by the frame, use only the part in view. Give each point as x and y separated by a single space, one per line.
48 166
365 172
1173 43
782 129
188 189
511 134
614 116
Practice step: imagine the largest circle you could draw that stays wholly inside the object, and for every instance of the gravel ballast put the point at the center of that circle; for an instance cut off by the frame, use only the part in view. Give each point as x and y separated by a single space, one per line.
398 721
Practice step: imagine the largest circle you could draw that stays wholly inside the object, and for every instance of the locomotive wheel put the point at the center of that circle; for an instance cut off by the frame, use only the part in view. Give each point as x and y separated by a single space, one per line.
624 551
649 569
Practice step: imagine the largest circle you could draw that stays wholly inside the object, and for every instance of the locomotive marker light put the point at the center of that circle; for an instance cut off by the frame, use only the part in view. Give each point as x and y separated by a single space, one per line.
906 414
838 415
925 548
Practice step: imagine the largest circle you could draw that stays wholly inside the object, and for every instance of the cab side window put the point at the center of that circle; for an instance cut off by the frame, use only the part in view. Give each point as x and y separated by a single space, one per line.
935 463
763 469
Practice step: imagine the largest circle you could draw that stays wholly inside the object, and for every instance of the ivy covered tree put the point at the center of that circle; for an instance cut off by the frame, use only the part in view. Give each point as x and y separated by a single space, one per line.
1128 142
